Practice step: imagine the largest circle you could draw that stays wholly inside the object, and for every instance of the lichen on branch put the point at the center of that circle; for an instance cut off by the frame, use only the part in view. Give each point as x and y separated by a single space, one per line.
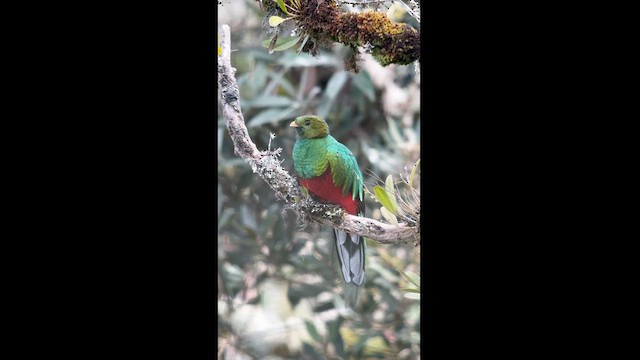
322 21
266 165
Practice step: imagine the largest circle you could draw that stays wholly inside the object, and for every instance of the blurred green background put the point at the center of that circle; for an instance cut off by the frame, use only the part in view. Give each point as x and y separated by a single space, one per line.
279 288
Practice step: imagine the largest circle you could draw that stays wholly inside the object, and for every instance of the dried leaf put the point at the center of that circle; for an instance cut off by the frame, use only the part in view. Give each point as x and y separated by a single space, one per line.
413 173
304 42
272 43
410 295
389 216
276 20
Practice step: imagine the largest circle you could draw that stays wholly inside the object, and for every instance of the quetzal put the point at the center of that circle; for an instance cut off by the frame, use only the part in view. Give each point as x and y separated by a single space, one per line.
329 171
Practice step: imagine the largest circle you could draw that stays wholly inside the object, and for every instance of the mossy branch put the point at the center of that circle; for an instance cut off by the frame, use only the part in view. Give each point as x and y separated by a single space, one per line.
322 21
267 165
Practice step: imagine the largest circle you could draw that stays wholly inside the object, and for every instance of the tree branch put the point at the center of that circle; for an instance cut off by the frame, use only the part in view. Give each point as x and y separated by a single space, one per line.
267 165
322 23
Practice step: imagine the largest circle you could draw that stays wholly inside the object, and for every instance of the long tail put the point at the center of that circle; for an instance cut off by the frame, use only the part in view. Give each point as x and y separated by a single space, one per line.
351 253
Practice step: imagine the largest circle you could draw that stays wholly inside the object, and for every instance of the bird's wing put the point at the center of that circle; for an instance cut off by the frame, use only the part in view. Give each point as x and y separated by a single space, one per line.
345 170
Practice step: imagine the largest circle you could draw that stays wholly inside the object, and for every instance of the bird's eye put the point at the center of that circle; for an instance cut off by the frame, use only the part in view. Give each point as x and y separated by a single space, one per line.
307 123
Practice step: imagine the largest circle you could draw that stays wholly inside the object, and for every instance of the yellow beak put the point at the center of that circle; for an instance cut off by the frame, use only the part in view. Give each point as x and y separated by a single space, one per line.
293 124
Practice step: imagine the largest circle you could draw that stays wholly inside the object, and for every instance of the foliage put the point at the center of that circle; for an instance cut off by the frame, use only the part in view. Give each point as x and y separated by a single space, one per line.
412 292
279 287
402 202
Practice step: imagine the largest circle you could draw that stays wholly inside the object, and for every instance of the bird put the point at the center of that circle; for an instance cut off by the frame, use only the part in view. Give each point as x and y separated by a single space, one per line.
329 171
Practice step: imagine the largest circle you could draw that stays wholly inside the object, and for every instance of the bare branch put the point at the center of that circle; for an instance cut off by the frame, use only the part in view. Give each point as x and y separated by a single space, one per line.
267 165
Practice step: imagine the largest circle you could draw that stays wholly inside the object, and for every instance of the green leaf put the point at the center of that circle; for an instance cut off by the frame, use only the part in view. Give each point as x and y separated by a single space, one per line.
335 337
386 274
269 101
413 173
248 217
220 194
271 116
382 196
374 347
280 83
225 217
363 82
280 44
286 43
335 84
415 278
394 132
232 273
411 290
324 108
313 332
411 277
276 20
305 60
311 352
258 77
281 4
391 193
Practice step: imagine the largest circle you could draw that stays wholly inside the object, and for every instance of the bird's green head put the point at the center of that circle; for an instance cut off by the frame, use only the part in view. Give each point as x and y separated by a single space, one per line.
310 126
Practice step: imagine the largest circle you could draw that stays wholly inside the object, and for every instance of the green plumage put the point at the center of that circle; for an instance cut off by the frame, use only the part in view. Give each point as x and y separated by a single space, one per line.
316 149
330 172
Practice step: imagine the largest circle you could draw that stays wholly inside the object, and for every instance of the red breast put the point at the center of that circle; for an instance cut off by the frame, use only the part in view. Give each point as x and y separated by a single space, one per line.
322 186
